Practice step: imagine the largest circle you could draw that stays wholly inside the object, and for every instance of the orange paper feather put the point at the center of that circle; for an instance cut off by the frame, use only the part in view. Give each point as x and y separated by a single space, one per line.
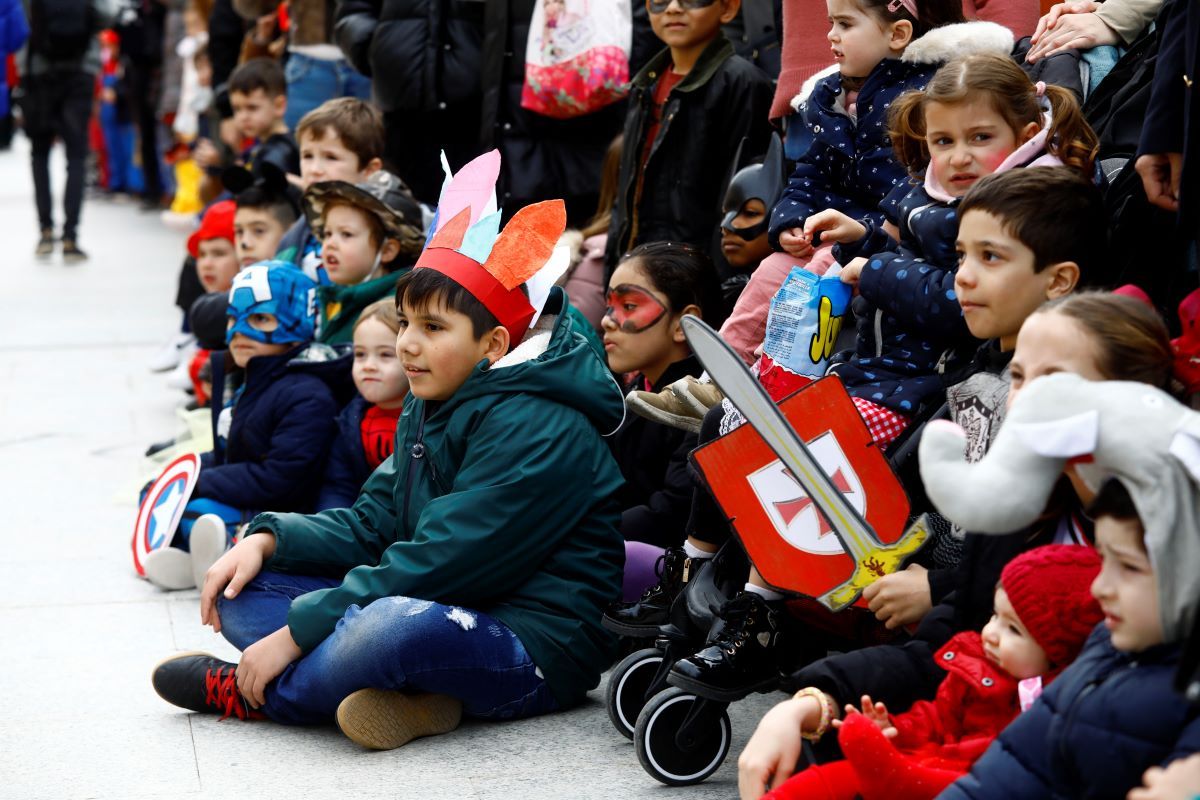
527 242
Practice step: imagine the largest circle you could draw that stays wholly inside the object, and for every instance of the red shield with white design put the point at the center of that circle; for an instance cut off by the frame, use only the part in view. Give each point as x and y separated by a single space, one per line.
791 544
162 508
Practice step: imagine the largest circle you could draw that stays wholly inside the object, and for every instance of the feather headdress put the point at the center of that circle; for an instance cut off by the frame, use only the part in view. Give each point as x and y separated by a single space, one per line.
466 245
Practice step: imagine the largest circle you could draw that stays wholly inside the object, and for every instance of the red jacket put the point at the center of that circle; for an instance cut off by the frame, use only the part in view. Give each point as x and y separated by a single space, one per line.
973 704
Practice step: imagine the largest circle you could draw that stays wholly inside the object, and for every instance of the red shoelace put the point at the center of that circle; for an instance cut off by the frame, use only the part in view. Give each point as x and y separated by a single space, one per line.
221 693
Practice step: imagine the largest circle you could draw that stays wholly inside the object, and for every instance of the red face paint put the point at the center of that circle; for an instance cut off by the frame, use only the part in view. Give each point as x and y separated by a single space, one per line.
633 308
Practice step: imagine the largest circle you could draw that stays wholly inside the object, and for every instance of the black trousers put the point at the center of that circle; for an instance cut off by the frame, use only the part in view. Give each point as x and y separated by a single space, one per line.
59 105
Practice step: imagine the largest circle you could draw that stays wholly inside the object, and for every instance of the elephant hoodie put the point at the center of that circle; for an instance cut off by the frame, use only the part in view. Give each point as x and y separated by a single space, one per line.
500 499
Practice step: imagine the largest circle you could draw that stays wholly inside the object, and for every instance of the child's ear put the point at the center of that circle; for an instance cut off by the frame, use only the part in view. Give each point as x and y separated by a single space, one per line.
280 103
372 166
902 34
496 343
389 251
1028 132
1062 279
732 7
677 334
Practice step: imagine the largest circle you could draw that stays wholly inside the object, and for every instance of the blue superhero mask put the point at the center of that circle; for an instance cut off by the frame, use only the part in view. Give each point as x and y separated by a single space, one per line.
277 288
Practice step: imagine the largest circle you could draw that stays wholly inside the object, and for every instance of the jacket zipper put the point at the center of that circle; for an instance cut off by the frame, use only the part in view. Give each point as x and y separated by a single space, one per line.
416 453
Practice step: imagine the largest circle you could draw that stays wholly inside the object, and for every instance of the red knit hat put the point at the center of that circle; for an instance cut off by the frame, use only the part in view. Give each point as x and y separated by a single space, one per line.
1050 589
217 223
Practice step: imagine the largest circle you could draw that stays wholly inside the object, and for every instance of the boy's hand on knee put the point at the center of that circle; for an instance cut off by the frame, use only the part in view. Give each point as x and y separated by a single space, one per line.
262 662
834 226
233 571
795 243
900 598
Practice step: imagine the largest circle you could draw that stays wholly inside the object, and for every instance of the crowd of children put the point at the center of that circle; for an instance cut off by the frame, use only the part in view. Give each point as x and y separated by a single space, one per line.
443 486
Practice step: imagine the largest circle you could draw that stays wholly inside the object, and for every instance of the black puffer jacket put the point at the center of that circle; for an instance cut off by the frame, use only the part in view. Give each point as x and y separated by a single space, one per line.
722 100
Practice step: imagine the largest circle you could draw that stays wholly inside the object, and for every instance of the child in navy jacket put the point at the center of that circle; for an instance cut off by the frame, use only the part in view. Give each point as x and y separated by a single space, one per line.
273 420
366 435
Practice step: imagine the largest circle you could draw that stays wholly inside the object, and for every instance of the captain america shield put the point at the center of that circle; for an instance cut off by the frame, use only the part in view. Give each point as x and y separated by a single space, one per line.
162 508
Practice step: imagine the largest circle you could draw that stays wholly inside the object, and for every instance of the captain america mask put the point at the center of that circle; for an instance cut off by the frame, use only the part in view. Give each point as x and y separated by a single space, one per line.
632 308
274 288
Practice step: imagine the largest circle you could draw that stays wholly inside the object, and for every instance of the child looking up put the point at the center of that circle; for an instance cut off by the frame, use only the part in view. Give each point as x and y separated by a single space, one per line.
881 49
340 140
1115 712
648 294
369 232
473 568
367 425
1043 614
273 420
682 127
213 245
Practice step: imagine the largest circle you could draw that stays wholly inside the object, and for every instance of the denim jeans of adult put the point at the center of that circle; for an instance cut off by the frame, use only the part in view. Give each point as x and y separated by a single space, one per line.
312 81
393 643
59 105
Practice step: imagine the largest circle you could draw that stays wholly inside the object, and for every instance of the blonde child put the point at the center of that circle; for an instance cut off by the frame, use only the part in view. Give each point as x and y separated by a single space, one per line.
1043 615
367 425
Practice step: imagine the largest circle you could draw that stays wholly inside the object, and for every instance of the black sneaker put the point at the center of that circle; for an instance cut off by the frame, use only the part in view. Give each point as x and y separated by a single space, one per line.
71 253
201 682
642 617
742 655
45 245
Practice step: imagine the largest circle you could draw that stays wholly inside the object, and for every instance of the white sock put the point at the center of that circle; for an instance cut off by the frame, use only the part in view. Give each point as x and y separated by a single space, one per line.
764 593
692 551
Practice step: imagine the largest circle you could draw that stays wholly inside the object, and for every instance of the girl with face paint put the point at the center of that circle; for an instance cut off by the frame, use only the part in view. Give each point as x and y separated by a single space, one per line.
646 298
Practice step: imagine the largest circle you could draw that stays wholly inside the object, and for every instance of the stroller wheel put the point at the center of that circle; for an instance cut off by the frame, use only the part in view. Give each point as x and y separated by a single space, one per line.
630 686
682 739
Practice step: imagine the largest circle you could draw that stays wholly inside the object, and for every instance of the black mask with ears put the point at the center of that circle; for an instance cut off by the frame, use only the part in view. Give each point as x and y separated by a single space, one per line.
763 182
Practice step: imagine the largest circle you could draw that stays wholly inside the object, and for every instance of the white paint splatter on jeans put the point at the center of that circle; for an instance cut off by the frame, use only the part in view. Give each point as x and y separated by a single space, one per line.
461 617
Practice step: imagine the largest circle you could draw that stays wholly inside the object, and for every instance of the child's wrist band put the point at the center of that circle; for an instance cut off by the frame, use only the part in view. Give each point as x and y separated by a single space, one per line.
827 712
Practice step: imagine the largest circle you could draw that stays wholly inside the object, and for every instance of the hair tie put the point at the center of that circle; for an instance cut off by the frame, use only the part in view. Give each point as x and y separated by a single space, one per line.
909 5
1039 88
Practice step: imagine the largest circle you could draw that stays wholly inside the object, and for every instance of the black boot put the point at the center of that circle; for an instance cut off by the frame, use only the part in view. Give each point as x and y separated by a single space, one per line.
742 655
643 617
203 683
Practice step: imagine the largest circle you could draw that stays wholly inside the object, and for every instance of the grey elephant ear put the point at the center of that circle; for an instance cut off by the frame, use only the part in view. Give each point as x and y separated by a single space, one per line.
1063 438
1186 448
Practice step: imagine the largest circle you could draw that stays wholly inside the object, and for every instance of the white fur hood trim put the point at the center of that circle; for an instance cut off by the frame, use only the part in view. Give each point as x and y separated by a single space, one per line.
536 342
961 39
936 47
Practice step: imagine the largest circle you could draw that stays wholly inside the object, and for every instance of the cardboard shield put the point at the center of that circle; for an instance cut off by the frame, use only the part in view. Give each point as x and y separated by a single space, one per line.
161 510
789 541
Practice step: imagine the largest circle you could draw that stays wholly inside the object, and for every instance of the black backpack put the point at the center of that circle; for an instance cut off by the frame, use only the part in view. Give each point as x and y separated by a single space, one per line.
61 30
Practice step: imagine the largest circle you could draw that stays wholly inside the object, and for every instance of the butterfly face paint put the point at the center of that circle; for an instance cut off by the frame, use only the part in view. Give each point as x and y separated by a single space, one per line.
632 308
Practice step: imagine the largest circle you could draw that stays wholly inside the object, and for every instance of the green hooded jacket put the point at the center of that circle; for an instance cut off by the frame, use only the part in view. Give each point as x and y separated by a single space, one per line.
500 499
338 306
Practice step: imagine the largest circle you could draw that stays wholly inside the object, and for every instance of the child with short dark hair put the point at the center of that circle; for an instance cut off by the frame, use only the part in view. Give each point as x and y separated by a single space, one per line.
265 212
681 129
367 425
472 569
258 95
273 411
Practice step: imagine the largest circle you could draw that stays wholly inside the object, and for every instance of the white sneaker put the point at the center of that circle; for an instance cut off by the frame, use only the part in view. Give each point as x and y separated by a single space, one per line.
208 542
169 568
168 357
179 377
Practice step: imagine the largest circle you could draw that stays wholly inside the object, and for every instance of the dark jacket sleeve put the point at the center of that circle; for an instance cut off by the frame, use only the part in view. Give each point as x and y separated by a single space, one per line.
298 444
341 483
660 520
875 240
898 675
1163 129
809 191
919 295
356 22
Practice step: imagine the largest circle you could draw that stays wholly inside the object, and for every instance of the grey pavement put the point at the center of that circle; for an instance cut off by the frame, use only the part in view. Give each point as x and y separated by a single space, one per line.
80 632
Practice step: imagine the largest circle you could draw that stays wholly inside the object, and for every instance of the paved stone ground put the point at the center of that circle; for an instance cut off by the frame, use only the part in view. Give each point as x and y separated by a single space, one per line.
78 718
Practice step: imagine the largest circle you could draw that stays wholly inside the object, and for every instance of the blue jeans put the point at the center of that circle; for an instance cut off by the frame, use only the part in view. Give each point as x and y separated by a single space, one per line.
393 643
312 81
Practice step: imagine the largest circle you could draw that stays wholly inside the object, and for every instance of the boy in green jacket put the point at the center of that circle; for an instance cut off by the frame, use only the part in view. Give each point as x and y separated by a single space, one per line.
471 573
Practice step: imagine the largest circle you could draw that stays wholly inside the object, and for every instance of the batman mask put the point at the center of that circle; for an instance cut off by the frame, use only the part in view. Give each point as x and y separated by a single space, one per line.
763 182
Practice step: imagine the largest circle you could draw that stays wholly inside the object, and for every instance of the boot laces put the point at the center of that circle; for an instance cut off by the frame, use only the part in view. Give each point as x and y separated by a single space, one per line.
221 693
665 568
739 614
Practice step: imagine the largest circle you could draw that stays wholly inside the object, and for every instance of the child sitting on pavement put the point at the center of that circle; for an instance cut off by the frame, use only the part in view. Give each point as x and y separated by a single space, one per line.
367 425
371 234
340 140
470 574
273 421
1043 614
